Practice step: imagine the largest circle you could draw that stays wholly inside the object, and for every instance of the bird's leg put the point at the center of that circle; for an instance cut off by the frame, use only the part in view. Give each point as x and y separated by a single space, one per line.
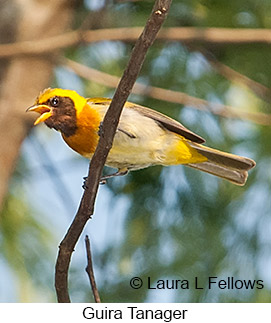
120 172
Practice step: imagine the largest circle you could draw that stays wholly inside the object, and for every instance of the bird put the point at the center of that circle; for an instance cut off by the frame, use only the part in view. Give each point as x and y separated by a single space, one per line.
144 137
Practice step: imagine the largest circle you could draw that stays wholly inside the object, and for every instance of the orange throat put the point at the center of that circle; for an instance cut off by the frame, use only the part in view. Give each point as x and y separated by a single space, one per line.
85 139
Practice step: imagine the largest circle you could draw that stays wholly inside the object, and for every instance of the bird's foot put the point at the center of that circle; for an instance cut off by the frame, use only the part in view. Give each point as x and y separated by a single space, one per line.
120 172
104 179
100 131
84 186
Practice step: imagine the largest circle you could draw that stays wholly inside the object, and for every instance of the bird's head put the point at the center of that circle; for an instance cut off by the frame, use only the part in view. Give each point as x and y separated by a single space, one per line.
59 109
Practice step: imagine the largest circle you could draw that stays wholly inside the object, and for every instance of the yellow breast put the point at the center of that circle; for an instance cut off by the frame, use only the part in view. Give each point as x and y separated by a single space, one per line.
85 140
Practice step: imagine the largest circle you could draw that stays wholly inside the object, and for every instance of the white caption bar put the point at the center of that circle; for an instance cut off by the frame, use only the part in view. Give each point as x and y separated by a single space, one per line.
114 312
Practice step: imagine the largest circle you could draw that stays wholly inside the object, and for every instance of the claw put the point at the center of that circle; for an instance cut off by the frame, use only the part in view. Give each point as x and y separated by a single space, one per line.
102 181
84 186
100 131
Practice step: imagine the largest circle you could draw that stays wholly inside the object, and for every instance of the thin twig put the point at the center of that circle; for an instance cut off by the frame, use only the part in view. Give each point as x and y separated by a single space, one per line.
186 35
90 272
110 123
170 95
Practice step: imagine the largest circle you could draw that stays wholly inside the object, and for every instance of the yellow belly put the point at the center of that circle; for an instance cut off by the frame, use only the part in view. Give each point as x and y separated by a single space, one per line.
169 149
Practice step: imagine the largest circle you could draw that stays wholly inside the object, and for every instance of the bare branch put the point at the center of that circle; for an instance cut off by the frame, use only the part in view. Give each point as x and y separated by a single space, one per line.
170 96
110 123
90 272
186 35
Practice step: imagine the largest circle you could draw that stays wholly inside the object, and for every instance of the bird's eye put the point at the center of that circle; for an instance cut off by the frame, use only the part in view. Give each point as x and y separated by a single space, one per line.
55 101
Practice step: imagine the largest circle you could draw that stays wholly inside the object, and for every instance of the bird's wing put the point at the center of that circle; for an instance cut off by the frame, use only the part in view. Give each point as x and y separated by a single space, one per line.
167 122
163 120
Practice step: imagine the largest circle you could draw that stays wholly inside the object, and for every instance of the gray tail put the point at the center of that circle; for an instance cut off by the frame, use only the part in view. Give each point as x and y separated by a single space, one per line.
228 166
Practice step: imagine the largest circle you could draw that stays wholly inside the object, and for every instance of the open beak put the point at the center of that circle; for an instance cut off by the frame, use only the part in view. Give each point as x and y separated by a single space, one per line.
45 112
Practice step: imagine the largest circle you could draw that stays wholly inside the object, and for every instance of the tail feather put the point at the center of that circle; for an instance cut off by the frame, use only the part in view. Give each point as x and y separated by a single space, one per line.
238 177
225 165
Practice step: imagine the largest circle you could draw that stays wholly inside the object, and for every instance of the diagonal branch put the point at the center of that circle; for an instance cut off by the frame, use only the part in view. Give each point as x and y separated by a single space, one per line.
86 208
170 95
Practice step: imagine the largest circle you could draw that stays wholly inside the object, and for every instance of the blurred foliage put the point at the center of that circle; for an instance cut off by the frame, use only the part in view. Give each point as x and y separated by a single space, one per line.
180 223
25 243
